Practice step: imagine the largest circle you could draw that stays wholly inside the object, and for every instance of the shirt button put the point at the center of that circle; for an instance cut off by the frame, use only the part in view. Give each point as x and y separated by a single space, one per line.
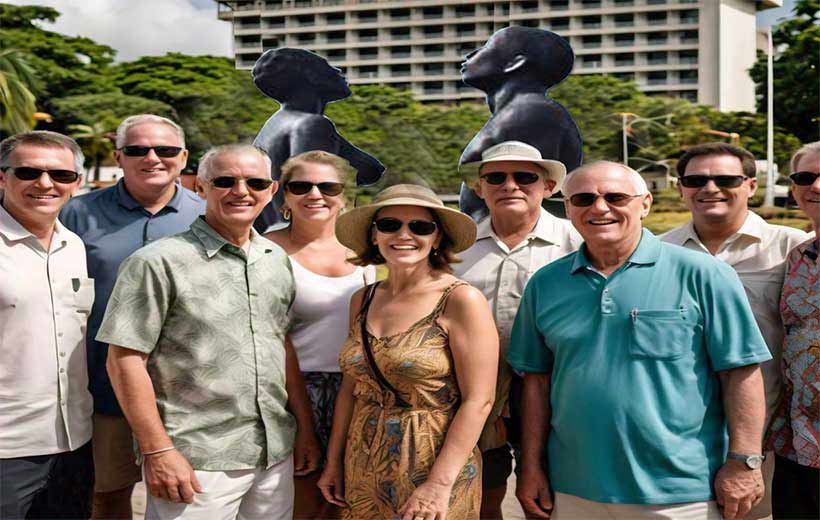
62 370
62 403
62 354
57 313
59 334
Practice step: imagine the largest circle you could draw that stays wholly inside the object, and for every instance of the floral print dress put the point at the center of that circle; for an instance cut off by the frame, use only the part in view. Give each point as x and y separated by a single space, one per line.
391 449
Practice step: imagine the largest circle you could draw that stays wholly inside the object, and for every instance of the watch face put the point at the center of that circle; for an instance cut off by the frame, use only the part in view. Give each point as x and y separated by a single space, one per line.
754 461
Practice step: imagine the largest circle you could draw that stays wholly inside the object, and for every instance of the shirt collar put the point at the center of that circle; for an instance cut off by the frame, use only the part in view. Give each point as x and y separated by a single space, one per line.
14 231
752 227
647 252
130 203
545 229
213 241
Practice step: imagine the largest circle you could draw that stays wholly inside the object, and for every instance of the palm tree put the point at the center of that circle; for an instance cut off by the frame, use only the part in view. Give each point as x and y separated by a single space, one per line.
17 103
97 138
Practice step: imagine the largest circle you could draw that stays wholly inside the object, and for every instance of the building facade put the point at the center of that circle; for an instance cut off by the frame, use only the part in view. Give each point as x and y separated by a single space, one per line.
696 49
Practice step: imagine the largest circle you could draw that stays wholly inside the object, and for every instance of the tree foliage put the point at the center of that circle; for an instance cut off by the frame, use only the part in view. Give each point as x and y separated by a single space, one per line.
796 72
17 103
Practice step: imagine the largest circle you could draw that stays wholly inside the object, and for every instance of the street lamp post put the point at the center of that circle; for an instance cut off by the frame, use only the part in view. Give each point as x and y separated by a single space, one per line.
768 198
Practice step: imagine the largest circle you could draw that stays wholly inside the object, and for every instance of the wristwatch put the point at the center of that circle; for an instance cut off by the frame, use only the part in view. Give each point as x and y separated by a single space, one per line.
752 461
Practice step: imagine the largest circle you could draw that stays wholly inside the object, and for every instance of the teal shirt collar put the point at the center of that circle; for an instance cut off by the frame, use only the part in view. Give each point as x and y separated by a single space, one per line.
647 252
213 242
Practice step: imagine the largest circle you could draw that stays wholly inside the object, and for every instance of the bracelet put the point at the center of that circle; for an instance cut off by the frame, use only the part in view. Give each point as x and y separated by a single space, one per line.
155 452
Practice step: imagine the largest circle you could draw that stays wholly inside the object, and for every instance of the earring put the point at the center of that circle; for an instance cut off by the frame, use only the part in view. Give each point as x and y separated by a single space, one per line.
285 212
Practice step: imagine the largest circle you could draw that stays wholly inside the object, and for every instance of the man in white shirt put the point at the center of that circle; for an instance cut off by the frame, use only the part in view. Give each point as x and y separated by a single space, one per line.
516 239
716 181
45 298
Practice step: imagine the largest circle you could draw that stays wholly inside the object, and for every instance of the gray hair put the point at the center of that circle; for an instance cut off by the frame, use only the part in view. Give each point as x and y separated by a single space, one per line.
806 149
42 138
634 178
204 172
141 119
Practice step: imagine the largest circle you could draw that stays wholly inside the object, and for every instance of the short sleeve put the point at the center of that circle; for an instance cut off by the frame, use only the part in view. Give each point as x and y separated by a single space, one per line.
528 352
137 308
733 338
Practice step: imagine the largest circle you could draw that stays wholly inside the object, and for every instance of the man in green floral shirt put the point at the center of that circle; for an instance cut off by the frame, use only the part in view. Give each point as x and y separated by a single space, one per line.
199 359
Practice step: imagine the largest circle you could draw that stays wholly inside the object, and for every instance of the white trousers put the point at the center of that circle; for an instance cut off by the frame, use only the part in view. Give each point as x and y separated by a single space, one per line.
245 494
572 507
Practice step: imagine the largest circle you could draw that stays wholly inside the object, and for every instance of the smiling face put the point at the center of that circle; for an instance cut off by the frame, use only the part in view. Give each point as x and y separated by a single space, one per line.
714 204
512 200
151 173
42 198
403 248
808 197
314 206
602 224
237 207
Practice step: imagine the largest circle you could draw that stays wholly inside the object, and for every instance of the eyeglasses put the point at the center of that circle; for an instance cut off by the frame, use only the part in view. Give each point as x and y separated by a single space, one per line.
523 178
417 227
583 200
804 178
142 151
254 183
721 181
27 173
330 189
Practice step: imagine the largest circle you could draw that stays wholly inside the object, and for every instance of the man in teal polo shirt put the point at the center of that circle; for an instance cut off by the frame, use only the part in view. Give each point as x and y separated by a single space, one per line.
639 356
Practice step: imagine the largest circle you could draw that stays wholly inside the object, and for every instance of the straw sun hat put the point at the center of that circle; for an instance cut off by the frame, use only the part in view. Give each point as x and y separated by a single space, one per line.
353 227
516 151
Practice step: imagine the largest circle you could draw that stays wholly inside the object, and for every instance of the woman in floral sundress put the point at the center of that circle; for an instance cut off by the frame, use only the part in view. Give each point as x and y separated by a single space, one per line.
419 384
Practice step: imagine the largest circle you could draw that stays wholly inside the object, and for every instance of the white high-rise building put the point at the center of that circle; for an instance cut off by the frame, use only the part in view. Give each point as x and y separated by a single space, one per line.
697 49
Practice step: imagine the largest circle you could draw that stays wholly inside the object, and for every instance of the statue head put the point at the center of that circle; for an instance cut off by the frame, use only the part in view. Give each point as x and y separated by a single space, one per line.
523 53
283 73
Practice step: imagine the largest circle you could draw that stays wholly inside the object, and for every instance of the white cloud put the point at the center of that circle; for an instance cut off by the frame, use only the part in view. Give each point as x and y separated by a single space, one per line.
143 27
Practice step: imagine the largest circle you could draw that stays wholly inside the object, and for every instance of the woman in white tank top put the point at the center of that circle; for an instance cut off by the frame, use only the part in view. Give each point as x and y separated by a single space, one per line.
314 184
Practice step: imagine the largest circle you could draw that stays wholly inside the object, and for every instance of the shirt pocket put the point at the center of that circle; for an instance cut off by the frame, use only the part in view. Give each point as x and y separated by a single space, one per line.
663 335
83 294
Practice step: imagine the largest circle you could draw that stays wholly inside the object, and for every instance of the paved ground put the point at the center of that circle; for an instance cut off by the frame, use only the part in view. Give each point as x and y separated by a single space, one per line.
512 511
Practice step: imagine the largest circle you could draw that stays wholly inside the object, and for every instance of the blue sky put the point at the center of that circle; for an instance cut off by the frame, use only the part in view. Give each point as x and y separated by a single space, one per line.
153 27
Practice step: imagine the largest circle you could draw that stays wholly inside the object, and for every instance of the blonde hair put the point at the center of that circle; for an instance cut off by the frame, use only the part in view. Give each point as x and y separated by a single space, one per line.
141 119
345 171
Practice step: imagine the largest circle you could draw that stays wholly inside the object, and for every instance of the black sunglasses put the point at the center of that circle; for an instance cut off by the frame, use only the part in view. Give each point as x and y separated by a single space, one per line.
583 200
721 181
417 227
804 178
523 178
27 173
142 151
326 188
254 183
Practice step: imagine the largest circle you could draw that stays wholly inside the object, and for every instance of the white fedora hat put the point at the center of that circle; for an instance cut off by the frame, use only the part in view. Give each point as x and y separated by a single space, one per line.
517 151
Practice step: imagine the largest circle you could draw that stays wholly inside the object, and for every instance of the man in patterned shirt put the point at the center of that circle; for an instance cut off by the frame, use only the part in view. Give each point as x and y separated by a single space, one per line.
199 359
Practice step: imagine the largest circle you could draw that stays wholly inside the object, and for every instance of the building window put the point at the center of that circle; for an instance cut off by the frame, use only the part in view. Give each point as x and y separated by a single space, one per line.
656 58
624 59
400 70
433 69
591 22
399 14
433 87
335 18
559 24
689 37
306 20
402 33
336 54
591 42
368 35
691 95
306 37
336 37
465 11
276 23
465 29
656 18
433 50
529 6
559 5
368 17
688 57
624 40
655 2
368 71
659 38
434 31
368 54
590 4
688 77
624 20
400 52
656 77
625 76
624 3
592 61
690 16
432 12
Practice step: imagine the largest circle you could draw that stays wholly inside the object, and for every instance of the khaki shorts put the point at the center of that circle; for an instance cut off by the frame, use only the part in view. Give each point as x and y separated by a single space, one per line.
115 464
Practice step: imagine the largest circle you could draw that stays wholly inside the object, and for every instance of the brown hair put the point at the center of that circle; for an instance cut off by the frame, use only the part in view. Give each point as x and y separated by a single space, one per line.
440 259
747 160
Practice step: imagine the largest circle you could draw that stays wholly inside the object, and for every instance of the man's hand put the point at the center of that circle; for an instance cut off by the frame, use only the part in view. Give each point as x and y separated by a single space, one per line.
738 489
533 492
307 455
169 476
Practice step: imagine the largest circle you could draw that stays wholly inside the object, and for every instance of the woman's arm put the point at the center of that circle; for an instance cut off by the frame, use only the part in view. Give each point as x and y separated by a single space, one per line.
306 451
474 344
332 481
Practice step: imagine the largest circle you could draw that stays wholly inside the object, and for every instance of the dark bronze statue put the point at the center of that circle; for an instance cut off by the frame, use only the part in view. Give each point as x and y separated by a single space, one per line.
515 68
303 83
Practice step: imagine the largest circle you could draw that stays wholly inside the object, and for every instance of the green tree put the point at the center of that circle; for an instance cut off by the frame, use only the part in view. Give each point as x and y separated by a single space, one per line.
96 140
17 103
108 108
796 72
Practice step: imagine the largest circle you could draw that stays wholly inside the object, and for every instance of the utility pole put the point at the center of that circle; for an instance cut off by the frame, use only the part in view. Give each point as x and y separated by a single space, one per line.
768 199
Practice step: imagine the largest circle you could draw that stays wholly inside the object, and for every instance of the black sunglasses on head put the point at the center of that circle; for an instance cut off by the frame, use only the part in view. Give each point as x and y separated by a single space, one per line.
804 178
142 151
698 180
326 188
417 227
27 173
582 200
523 178
254 183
